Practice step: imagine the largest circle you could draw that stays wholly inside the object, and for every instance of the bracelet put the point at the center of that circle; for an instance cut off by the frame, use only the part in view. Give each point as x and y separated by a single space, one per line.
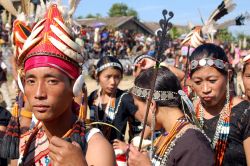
26 113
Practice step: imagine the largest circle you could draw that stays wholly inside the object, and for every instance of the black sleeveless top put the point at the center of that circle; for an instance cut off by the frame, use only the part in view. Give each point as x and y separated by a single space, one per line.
124 110
239 131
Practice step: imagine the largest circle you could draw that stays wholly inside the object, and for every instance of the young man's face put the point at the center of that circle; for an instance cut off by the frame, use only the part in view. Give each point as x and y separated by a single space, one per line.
49 92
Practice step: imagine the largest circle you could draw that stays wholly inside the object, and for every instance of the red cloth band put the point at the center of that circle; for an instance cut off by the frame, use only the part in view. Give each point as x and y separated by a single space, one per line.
49 61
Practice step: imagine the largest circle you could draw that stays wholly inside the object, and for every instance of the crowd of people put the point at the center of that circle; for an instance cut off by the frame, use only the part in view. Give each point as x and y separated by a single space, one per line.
191 108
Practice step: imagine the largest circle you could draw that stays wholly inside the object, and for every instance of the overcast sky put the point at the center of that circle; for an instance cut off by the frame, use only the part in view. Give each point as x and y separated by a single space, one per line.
185 10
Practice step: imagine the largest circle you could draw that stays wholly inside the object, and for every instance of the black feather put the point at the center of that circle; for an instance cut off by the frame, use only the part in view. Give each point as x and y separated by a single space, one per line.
222 13
240 20
221 6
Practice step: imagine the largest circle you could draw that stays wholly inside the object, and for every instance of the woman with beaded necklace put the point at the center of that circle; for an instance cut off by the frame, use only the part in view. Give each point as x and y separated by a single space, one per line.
109 104
111 107
181 143
224 118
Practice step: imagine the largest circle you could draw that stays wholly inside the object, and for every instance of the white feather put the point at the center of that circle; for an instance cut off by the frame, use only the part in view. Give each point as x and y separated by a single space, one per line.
66 50
28 46
4 17
21 17
64 27
32 36
232 21
194 41
77 88
73 6
19 49
198 37
19 38
8 5
38 11
190 25
229 5
19 83
226 24
41 10
59 2
42 4
38 24
65 39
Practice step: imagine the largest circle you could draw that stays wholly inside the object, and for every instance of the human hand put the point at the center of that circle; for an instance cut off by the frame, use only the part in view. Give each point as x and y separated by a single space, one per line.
136 158
118 144
63 153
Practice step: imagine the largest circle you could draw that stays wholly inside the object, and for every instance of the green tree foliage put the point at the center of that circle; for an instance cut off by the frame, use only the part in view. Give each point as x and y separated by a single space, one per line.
121 9
97 15
224 35
174 33
80 17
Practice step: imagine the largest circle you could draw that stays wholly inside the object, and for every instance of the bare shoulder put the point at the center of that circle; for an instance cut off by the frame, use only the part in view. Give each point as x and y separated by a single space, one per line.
236 101
98 140
99 151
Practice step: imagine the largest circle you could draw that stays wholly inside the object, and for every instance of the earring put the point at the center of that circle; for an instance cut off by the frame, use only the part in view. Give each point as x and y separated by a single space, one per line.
228 90
152 133
83 112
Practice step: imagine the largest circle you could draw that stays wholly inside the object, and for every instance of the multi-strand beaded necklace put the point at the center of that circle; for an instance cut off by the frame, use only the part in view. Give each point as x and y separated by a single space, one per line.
165 143
77 128
219 141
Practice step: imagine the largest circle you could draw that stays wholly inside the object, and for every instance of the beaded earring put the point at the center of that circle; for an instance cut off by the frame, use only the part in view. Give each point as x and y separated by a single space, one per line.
152 132
83 112
228 88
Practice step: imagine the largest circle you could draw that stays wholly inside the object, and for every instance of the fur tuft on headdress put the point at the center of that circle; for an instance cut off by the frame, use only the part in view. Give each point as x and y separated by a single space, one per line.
194 38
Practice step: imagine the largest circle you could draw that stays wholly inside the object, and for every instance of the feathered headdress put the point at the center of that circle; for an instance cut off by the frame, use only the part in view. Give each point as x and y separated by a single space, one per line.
211 26
49 37
52 37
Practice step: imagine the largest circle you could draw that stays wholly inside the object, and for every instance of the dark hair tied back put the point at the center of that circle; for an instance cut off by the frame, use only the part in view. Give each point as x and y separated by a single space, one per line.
165 81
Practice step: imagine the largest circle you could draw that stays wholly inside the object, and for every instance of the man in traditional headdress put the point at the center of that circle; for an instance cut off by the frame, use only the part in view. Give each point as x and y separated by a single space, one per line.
52 78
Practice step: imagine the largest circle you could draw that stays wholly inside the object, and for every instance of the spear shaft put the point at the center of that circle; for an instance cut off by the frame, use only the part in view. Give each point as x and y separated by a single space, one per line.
148 103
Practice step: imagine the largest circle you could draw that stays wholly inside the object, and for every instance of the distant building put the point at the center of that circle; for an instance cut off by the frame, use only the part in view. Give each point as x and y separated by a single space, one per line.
126 22
154 26
121 23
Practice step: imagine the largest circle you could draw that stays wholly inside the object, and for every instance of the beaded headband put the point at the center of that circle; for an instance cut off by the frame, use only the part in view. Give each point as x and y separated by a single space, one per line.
140 57
157 95
111 64
209 62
